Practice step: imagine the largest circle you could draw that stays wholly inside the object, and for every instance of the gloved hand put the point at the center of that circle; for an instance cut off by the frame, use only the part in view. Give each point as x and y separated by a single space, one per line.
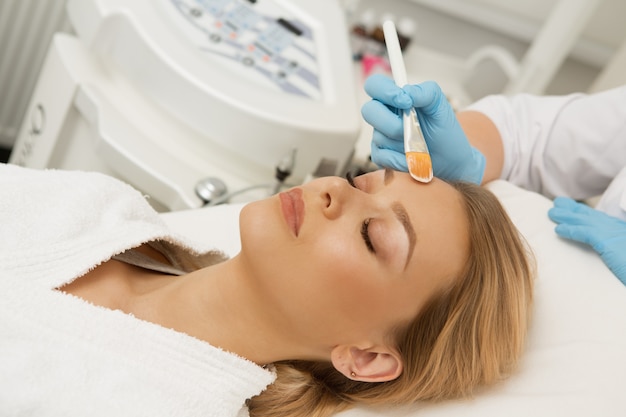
605 234
453 157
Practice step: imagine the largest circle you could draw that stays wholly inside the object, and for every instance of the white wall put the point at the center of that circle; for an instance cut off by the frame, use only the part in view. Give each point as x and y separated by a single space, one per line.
606 26
26 28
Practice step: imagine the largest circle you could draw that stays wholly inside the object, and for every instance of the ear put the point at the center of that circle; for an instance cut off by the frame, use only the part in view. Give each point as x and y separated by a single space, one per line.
372 364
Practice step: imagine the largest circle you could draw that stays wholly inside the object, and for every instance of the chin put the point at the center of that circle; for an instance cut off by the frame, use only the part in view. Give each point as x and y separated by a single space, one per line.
259 225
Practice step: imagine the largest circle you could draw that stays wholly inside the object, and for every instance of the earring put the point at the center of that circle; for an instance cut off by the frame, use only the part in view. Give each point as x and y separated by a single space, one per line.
352 374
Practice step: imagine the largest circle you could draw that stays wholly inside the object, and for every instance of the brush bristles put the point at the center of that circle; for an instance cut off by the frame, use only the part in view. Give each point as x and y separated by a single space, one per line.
420 166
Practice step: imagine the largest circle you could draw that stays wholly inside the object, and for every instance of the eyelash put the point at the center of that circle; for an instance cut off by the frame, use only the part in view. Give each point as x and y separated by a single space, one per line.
366 236
350 180
366 223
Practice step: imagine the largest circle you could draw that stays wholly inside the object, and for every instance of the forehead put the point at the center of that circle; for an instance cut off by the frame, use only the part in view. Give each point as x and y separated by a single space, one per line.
438 215
437 192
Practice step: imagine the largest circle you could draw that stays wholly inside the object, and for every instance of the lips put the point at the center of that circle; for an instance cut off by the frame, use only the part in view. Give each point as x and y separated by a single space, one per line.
292 206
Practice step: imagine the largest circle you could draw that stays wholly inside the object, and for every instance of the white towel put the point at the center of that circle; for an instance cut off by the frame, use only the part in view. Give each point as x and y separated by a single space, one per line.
61 356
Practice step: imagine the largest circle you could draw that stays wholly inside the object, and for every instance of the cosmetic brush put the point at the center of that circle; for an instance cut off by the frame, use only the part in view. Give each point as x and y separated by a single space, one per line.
415 148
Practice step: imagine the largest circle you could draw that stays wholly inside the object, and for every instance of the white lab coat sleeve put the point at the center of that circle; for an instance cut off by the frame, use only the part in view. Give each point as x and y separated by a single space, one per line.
571 145
613 200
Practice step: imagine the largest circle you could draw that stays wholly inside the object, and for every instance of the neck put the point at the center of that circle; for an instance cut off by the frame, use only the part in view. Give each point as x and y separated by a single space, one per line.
218 304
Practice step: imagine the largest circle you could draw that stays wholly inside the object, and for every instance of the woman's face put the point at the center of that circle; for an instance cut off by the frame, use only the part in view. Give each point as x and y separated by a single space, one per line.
342 262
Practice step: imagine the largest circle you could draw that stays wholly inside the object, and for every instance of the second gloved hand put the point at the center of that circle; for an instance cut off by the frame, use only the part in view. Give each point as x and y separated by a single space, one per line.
604 233
453 157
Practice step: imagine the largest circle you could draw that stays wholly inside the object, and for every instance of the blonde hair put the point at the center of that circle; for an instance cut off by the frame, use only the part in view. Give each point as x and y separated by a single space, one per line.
471 335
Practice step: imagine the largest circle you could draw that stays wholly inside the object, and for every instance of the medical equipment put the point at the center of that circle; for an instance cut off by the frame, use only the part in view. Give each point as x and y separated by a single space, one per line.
415 148
164 94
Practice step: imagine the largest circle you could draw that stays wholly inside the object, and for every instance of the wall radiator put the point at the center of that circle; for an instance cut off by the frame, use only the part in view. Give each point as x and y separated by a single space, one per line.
26 29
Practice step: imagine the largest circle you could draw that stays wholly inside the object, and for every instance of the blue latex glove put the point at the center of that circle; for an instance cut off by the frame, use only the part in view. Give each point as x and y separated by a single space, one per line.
453 157
605 234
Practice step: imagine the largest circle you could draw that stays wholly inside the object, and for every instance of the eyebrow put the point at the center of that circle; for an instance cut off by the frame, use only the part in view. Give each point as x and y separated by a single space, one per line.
403 217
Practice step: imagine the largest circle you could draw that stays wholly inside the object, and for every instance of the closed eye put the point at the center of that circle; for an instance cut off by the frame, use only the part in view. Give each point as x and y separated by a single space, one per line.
365 225
366 236
350 180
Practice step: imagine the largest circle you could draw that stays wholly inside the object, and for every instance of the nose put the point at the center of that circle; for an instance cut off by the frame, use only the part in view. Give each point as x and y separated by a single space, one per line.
336 194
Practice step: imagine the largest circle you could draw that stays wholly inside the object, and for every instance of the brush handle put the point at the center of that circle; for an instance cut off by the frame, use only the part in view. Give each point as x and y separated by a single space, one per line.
395 53
399 75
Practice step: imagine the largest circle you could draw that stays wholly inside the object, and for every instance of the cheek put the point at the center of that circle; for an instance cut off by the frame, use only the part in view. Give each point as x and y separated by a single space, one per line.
329 276
333 262
350 278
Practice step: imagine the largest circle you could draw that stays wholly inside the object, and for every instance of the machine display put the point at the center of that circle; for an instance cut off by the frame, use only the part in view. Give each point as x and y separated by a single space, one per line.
257 35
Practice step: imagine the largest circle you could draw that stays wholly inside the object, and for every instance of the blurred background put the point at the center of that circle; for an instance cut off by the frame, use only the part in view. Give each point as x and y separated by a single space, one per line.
471 47
454 28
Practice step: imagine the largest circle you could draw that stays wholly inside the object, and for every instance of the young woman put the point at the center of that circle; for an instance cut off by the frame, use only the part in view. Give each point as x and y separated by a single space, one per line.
367 290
